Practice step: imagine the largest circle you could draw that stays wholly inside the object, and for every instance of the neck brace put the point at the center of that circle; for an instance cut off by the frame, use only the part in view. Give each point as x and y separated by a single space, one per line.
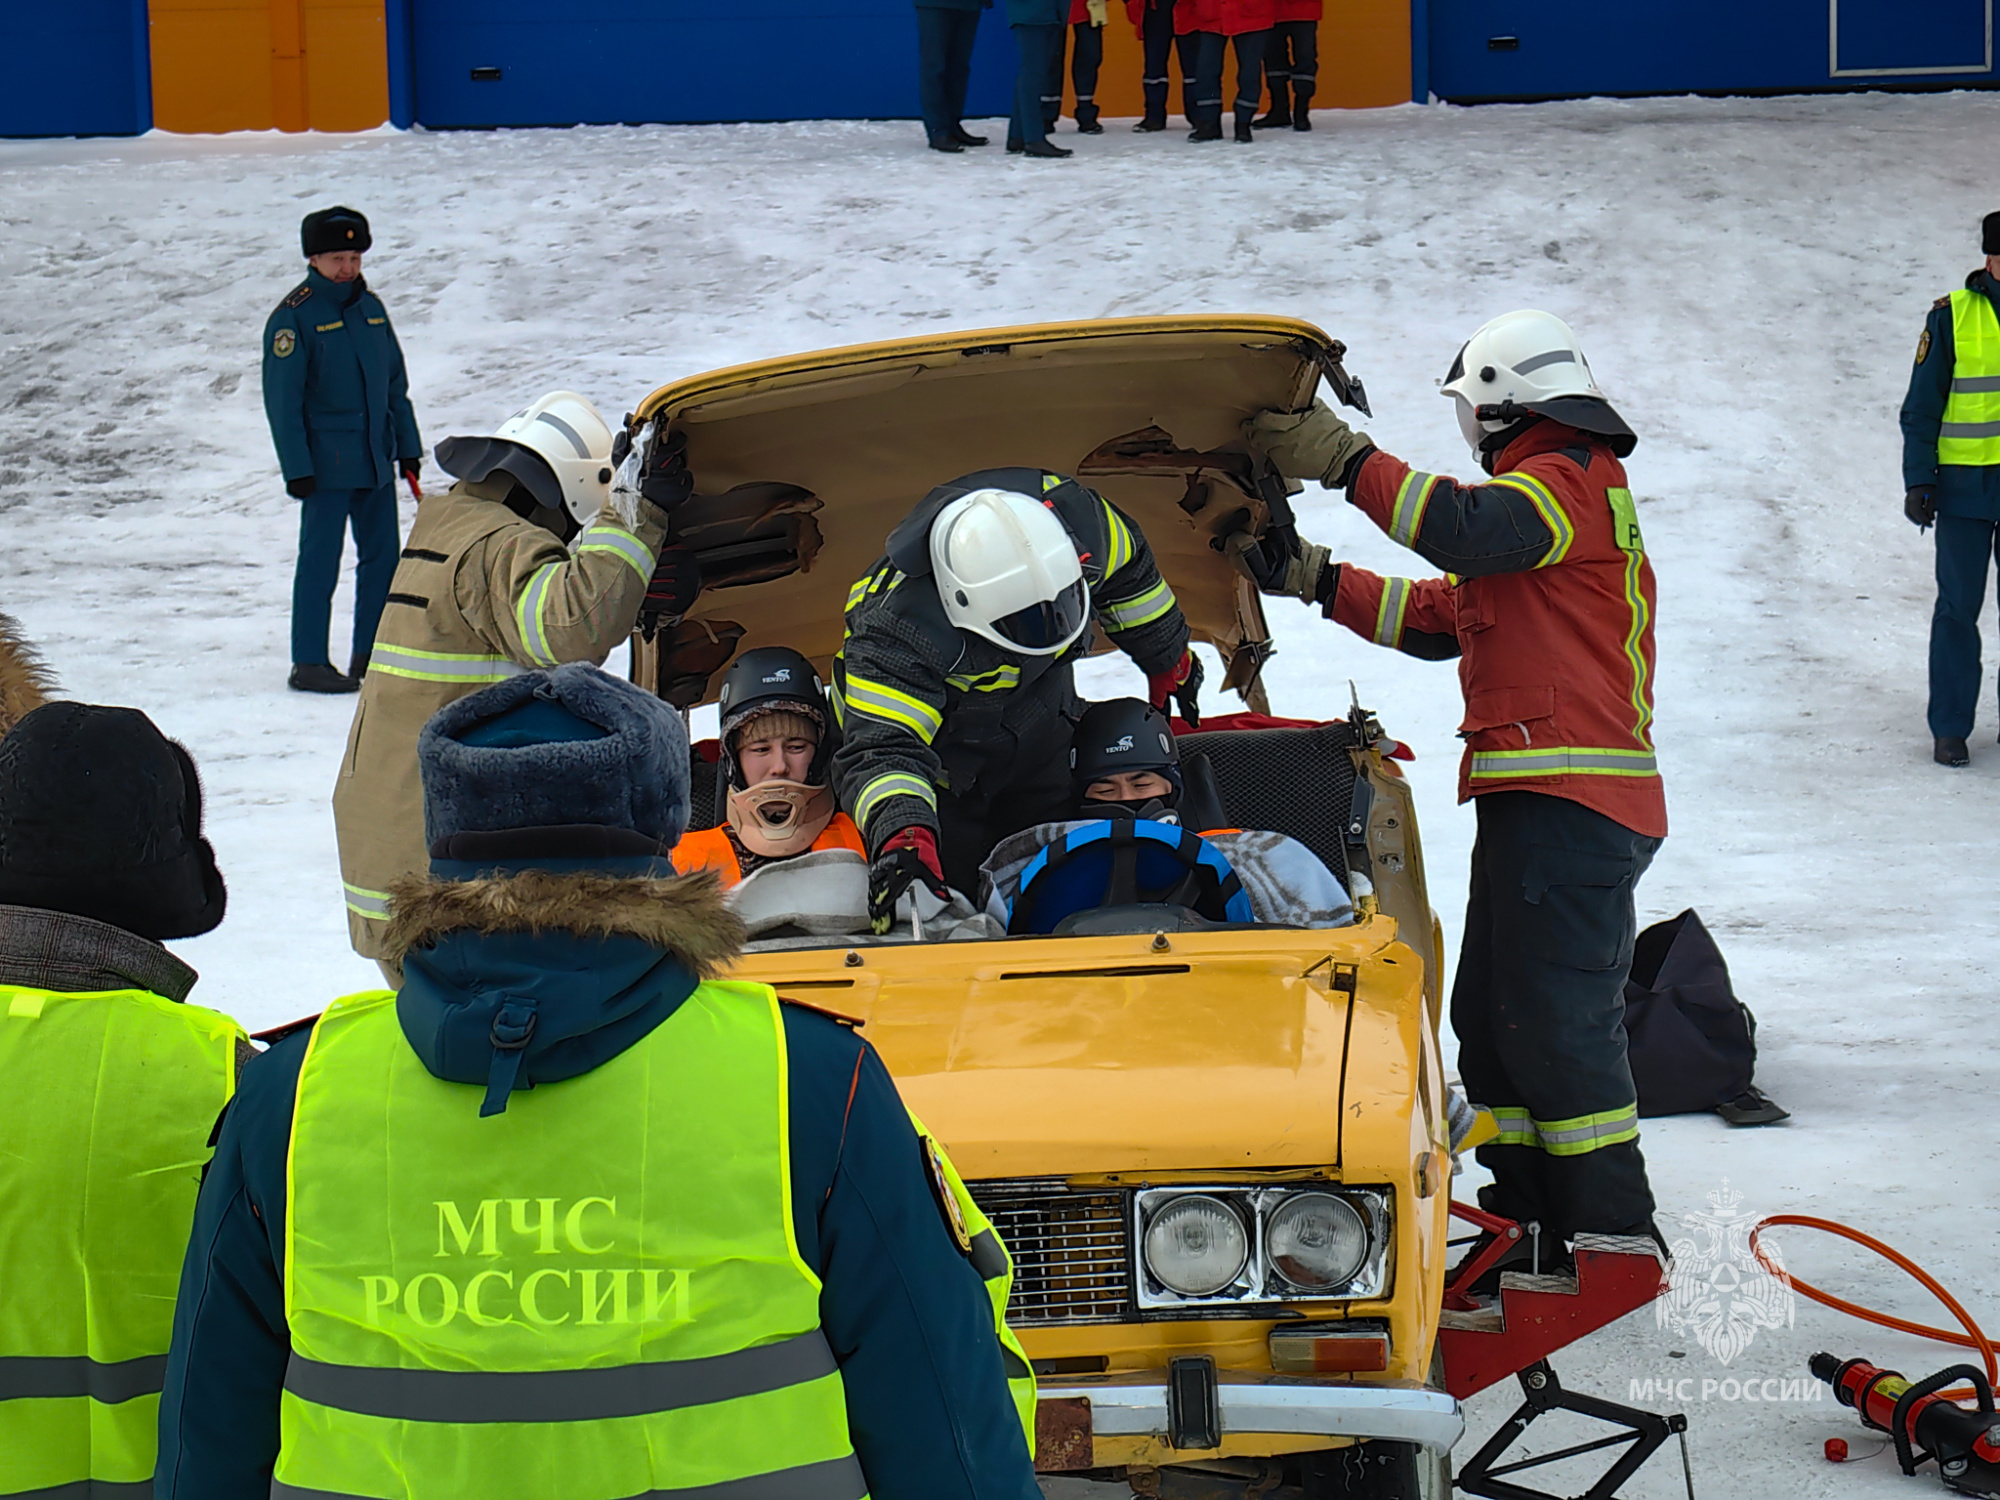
780 818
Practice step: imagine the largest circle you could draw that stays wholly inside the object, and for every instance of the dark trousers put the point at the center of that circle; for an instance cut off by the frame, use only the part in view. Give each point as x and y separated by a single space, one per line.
969 827
1156 38
1249 70
323 517
1086 58
944 66
1539 1008
1291 56
1964 547
1040 45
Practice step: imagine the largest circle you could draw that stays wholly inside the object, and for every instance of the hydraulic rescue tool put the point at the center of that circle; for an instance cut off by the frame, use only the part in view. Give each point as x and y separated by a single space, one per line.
1923 1421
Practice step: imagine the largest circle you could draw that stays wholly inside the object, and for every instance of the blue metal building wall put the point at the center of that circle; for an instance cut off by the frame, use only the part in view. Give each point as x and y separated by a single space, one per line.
598 62
1572 47
78 67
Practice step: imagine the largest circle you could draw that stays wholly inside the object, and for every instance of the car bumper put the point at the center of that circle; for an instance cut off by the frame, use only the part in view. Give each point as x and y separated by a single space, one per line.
1289 1406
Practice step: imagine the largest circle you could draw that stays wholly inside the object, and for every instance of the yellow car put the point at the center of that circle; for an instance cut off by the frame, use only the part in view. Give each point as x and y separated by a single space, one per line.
1219 1156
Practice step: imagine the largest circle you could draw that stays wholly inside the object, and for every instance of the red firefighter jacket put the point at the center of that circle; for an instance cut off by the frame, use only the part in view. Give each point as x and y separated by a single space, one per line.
1301 10
1239 16
1548 604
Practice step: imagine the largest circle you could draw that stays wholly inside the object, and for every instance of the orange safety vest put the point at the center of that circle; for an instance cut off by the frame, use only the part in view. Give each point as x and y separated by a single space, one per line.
710 849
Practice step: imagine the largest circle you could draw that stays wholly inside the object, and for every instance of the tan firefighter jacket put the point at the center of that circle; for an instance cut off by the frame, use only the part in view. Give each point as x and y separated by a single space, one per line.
479 595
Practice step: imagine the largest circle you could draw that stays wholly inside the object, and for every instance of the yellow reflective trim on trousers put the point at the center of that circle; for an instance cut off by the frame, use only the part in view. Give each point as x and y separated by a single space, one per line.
999 680
1413 498
374 905
1389 613
440 666
1625 532
893 784
1562 760
892 706
601 536
1118 539
1970 431
1572 1137
1562 534
528 615
1129 614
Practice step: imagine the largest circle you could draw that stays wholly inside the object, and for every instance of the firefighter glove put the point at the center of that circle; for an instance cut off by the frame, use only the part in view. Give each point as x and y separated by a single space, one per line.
1181 682
1285 565
1311 444
671 593
1099 11
1920 505
653 469
908 858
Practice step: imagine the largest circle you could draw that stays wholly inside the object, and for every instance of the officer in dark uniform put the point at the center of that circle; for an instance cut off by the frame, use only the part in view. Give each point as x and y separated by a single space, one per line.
946 30
1951 477
338 401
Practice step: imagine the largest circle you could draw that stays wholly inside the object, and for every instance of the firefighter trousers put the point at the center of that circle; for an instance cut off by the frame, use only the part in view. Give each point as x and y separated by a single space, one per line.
1538 1005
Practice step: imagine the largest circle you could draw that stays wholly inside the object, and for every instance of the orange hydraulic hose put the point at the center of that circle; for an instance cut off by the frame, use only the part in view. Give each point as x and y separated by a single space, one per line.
1972 1338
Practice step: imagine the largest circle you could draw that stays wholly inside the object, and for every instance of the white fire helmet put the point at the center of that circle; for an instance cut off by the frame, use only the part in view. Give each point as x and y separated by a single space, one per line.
571 436
1006 569
1533 360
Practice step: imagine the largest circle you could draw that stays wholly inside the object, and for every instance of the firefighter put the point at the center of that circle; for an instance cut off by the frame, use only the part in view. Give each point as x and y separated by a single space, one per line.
113 1084
532 559
568 1216
1548 606
337 397
1291 61
1153 22
777 738
1951 477
954 683
1086 23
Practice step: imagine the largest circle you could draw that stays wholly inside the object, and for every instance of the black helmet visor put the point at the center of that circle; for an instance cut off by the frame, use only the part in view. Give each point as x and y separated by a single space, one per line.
1040 626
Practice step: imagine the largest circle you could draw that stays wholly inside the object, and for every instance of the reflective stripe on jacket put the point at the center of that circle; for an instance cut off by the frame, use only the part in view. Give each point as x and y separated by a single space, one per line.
479 595
1555 634
1970 432
112 1097
710 849
594 1295
990 1257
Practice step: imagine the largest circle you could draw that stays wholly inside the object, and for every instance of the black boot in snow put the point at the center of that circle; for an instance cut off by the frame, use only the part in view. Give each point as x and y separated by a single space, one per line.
1209 126
1244 117
1086 120
1150 125
1950 752
319 677
1280 113
1302 107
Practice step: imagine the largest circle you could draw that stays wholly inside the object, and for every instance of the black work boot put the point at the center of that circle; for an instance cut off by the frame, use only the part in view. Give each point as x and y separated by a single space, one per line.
1086 119
1280 113
1302 100
1209 126
1047 149
1244 117
1150 124
965 137
319 677
1950 752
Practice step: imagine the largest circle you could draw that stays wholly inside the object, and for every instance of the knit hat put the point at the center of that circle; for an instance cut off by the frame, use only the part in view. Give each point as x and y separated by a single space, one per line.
567 765
331 229
100 817
1989 234
778 721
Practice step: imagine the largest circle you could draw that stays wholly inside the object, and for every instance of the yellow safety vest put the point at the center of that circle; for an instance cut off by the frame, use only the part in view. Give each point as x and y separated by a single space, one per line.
111 1099
990 1258
1970 433
594 1295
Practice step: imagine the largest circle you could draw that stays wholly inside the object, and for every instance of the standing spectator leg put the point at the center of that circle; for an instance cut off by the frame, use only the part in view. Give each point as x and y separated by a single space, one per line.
958 71
1277 78
1964 546
1026 132
1052 82
1207 111
1188 48
322 527
1249 79
378 538
934 38
1305 70
1086 61
1156 38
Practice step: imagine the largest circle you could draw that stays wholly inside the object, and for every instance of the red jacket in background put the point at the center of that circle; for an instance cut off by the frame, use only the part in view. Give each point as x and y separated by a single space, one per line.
1301 10
1079 12
1555 659
1197 15
1240 16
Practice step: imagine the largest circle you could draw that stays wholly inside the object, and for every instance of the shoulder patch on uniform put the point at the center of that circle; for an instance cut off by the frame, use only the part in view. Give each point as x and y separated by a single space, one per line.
301 294
1923 346
283 342
947 1201
1941 302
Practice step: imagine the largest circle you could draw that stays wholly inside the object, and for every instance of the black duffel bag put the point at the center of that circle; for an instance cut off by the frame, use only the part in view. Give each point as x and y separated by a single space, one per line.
1693 1044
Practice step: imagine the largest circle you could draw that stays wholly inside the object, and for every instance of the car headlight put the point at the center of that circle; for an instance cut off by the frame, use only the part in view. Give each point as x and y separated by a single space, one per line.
1196 1245
1316 1241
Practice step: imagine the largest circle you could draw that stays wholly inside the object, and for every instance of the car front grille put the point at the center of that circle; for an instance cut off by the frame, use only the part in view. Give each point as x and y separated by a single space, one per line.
1072 1250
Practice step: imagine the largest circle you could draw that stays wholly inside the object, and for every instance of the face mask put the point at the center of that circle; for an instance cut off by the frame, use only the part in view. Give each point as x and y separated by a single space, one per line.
778 818
1152 810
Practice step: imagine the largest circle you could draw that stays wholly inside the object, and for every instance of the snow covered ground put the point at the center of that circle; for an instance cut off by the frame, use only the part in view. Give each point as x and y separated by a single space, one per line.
1748 275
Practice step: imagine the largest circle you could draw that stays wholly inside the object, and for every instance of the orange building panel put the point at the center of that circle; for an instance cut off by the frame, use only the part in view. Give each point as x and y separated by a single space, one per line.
269 64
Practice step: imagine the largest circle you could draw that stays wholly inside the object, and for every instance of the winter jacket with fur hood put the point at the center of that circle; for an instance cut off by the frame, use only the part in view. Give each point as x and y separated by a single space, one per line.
480 595
608 958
